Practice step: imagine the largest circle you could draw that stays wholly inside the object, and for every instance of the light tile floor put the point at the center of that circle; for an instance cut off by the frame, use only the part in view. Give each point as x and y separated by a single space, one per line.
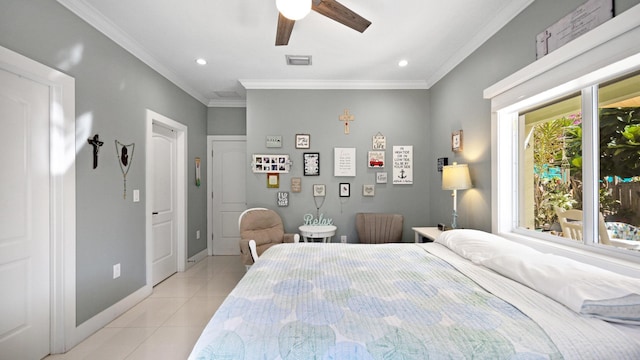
167 324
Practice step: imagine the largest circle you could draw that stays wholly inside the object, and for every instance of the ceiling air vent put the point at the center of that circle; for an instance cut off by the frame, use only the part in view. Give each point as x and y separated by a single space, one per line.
304 60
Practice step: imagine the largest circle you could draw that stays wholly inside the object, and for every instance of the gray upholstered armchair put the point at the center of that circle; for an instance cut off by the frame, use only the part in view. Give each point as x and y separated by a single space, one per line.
376 228
263 226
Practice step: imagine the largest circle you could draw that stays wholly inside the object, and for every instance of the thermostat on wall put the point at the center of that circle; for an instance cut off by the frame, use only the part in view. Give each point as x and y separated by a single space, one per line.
274 141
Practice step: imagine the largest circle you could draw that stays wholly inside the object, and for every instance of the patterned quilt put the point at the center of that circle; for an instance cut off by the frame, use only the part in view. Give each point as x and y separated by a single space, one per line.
352 301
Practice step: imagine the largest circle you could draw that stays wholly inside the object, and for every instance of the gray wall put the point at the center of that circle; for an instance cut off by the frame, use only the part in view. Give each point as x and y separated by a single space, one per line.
401 115
226 121
113 90
457 103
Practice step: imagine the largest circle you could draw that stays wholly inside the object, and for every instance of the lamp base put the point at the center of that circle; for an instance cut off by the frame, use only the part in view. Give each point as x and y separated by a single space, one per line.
454 222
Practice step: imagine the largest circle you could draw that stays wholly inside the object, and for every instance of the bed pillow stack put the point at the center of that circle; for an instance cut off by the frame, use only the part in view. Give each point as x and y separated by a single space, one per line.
583 288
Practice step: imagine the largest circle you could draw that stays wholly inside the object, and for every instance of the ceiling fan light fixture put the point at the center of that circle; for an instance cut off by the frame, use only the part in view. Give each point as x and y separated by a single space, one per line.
294 9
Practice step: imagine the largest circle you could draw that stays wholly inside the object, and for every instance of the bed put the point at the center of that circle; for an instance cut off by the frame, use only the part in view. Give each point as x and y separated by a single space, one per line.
468 295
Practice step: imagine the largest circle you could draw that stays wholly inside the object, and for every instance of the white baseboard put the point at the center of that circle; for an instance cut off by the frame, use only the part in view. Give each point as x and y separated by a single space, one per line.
99 321
196 258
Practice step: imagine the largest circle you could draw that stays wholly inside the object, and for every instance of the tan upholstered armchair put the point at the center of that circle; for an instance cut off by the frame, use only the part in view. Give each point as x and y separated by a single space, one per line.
376 228
265 227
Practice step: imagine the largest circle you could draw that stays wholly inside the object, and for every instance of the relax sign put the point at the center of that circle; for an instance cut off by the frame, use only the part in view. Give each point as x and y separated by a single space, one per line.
309 220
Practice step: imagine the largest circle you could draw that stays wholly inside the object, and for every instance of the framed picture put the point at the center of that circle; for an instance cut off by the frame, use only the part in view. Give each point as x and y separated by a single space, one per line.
456 141
375 159
381 178
311 164
345 189
303 141
270 163
368 190
319 190
442 162
273 180
283 198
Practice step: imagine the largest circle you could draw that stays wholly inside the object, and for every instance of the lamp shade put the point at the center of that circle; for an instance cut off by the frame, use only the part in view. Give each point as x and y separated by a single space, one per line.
294 9
456 177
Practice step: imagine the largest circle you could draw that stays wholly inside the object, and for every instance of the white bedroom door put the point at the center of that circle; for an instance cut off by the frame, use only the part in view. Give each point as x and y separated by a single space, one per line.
164 229
229 194
24 218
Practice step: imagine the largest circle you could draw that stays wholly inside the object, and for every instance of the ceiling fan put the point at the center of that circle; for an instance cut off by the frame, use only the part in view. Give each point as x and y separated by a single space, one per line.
329 8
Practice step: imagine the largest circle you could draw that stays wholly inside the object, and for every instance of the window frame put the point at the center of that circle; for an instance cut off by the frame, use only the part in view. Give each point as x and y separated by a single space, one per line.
599 56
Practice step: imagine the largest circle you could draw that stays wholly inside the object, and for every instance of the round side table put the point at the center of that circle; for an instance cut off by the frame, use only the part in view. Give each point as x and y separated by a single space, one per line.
324 232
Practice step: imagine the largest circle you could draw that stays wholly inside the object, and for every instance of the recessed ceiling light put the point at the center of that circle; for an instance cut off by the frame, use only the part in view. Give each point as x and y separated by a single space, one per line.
201 61
403 63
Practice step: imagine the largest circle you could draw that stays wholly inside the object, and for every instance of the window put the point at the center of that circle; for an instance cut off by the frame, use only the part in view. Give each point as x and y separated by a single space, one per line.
550 166
566 135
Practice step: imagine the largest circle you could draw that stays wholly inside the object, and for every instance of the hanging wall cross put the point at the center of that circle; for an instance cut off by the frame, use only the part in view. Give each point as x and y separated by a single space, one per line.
96 143
346 117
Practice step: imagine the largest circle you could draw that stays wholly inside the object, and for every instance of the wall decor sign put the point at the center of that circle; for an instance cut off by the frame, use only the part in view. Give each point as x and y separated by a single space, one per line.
320 220
303 141
345 189
319 190
296 184
456 141
379 142
368 190
266 163
311 163
375 159
273 180
381 178
403 165
582 20
273 141
344 161
283 198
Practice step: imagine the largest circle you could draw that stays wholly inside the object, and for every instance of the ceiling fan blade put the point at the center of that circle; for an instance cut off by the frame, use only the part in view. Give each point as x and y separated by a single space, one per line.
340 13
283 33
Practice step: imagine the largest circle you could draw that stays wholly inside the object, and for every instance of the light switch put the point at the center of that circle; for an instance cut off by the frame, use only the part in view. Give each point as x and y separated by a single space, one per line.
136 195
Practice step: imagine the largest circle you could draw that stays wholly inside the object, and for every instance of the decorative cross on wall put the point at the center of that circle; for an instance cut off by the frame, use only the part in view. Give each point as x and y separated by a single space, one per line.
346 117
96 143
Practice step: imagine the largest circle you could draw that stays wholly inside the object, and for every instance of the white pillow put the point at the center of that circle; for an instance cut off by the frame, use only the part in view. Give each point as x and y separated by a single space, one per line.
477 245
583 288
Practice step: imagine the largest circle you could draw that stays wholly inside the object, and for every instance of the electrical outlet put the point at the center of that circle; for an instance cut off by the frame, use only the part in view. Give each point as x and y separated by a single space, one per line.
343 239
197 234
116 271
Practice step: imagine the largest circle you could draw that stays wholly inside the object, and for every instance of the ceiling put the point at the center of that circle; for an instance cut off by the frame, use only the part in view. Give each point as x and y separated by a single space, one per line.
237 38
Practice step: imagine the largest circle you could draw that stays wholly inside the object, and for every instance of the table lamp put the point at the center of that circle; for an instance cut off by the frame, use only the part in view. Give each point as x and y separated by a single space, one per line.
455 177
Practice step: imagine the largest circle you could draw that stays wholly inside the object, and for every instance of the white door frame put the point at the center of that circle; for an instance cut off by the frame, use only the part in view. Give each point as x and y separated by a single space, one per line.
181 189
62 174
211 138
